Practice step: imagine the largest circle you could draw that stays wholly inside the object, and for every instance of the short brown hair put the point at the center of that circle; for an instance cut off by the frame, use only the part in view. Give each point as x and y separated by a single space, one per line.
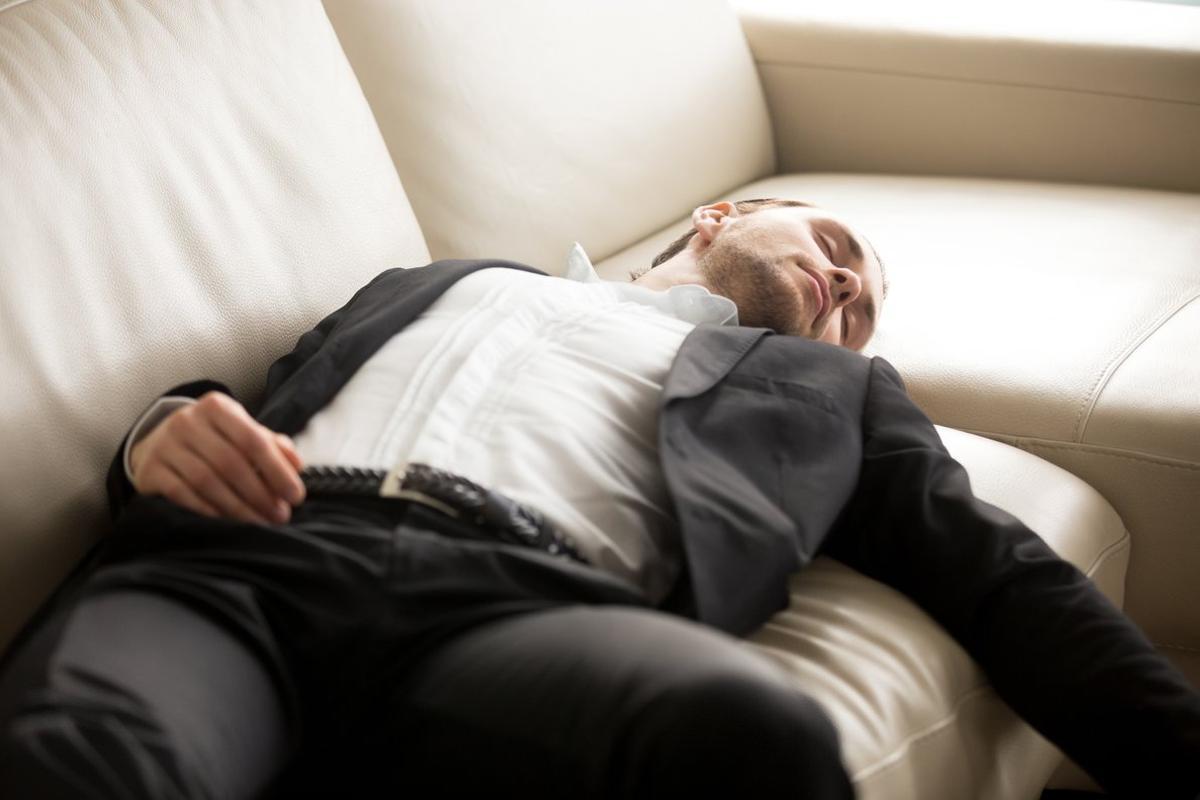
743 207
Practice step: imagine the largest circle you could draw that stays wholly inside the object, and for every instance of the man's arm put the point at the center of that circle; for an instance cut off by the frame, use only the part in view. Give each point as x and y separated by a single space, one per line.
189 462
1054 648
211 457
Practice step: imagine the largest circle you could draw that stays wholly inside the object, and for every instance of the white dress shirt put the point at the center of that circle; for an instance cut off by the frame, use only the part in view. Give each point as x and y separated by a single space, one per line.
546 390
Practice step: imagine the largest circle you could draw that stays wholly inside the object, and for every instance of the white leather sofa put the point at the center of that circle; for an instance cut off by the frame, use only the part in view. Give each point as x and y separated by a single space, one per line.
186 185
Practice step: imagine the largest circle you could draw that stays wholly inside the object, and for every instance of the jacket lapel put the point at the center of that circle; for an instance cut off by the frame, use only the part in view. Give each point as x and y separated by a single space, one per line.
707 355
302 382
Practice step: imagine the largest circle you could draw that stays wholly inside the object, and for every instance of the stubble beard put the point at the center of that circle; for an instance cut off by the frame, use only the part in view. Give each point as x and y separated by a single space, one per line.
763 292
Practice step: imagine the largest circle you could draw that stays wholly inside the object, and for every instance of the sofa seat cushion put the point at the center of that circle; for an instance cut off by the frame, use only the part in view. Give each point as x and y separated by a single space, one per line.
917 718
1063 319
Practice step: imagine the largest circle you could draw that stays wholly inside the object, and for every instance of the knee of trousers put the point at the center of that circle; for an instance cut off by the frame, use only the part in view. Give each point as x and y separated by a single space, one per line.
732 735
53 749
132 695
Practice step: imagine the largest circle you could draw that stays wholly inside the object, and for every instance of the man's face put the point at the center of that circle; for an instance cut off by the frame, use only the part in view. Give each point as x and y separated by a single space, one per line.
801 271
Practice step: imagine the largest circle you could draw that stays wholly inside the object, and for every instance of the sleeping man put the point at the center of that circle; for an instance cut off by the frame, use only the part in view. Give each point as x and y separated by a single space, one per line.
495 531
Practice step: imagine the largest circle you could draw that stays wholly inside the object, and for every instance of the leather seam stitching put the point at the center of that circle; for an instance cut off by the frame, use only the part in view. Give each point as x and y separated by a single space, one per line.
13 5
978 81
1027 443
1140 459
896 756
1102 380
1120 544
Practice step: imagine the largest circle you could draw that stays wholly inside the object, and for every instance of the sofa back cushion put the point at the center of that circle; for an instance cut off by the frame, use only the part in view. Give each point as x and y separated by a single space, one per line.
185 187
520 127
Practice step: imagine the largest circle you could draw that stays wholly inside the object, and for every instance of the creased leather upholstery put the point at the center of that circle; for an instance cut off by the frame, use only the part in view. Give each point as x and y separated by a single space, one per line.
184 188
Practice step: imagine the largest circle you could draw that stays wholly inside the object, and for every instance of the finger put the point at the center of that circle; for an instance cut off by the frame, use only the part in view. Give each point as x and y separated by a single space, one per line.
175 489
135 460
210 488
229 467
261 448
289 450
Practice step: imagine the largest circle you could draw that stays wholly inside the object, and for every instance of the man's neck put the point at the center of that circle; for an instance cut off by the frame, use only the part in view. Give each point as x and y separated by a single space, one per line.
677 271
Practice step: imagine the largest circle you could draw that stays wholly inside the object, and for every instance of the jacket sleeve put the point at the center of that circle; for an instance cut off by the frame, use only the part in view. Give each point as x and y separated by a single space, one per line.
120 490
1053 646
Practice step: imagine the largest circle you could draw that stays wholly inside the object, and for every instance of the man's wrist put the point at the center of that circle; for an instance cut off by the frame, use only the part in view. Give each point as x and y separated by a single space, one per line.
159 410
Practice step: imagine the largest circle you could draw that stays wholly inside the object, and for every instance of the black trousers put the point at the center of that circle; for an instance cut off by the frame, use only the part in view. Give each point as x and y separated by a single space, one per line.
373 649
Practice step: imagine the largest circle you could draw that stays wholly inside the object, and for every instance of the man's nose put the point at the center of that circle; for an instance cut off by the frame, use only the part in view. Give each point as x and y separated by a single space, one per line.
844 286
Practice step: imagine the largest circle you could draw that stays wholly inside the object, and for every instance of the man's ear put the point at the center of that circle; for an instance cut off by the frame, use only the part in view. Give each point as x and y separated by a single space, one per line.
710 221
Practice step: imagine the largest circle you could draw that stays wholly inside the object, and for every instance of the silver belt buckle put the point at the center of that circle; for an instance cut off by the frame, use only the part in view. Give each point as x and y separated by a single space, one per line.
393 487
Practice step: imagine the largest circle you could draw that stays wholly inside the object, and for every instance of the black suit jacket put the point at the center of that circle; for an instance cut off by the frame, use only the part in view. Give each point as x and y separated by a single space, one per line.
761 436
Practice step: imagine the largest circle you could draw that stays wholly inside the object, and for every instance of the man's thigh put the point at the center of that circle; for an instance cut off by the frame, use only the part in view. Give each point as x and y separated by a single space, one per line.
594 701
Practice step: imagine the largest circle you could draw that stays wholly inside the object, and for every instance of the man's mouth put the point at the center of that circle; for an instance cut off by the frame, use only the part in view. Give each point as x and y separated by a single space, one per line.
820 295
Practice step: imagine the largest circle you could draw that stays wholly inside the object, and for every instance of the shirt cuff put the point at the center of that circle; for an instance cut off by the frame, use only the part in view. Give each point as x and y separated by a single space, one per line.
156 413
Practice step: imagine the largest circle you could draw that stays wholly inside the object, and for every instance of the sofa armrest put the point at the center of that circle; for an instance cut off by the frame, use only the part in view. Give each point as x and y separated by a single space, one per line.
1091 92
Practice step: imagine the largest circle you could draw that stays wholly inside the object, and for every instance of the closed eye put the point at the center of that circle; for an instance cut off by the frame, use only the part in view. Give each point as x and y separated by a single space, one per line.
826 245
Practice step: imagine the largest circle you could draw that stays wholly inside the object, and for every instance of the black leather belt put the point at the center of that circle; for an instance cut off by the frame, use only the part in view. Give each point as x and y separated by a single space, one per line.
499 517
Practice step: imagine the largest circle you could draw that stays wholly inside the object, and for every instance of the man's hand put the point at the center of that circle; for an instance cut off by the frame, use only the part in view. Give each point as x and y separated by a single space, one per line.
212 457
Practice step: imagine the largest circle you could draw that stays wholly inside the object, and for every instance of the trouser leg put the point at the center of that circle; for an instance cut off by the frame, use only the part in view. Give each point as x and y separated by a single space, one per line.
604 702
131 694
1052 645
184 660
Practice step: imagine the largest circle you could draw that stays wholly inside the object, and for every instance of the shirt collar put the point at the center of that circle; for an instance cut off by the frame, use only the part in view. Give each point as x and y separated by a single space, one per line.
689 302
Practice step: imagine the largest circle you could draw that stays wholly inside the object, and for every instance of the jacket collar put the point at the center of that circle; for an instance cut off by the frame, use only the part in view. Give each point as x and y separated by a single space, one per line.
708 354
